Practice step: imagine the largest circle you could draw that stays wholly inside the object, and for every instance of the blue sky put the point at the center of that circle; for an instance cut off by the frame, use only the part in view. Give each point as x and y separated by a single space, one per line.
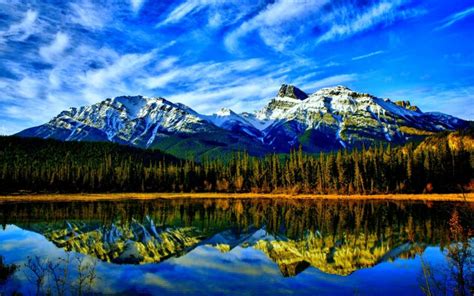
214 53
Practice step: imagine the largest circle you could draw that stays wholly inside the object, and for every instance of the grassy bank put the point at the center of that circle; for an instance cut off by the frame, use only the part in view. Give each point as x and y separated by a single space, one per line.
469 197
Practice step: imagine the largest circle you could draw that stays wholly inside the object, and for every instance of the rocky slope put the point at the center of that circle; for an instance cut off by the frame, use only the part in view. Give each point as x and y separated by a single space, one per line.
330 118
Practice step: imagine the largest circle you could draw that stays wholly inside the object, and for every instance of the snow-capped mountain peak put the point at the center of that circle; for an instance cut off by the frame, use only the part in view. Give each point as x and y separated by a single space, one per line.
330 118
229 120
225 112
287 97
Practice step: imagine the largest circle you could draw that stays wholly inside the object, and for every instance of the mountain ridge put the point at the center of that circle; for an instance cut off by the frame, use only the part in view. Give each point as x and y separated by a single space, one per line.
328 119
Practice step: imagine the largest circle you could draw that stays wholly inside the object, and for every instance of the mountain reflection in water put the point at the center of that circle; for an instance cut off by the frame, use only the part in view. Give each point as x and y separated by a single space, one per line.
335 237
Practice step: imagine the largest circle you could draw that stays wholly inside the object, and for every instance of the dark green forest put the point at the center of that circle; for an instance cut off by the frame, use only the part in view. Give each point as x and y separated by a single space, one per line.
435 165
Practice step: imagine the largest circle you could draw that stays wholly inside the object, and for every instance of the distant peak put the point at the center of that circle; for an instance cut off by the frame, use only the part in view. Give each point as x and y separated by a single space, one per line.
291 91
224 112
407 105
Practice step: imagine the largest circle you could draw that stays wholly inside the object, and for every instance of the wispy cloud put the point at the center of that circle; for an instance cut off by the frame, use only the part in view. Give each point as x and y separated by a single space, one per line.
330 81
124 65
87 14
371 54
272 22
56 48
452 19
350 20
285 23
182 10
22 30
217 12
203 72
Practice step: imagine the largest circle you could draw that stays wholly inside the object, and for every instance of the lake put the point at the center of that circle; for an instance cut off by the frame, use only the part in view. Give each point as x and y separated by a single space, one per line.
237 247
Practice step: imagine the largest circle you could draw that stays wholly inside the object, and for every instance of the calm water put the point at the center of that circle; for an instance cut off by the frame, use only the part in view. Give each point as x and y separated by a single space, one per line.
250 247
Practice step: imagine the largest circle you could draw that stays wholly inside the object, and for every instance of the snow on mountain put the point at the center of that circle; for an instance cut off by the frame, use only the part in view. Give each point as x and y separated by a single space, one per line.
231 121
137 120
338 117
330 118
288 97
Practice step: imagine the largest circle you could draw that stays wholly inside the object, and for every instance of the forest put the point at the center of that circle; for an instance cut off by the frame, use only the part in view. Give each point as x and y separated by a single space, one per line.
435 165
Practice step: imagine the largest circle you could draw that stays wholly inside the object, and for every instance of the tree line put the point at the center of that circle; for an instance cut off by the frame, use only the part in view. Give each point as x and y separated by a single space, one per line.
36 165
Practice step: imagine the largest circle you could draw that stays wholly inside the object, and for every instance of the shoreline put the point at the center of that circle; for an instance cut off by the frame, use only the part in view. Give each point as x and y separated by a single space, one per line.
468 197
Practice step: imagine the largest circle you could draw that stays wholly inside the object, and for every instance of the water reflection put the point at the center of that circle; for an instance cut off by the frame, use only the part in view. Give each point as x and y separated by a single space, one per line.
334 237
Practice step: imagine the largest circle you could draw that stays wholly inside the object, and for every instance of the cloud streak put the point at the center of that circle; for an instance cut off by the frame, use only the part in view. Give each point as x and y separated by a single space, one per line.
365 56
456 17
344 23
182 10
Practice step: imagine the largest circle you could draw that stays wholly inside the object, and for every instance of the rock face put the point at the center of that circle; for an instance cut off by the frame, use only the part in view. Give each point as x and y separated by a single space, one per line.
407 105
330 118
292 91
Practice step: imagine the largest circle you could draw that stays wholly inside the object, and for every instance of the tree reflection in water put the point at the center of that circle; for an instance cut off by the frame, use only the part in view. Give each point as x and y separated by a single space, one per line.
457 278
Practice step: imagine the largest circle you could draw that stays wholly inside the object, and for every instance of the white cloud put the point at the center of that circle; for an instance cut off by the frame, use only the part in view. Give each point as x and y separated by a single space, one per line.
182 10
166 63
370 54
450 20
161 80
238 97
376 14
89 15
52 51
272 22
330 81
22 30
29 87
204 72
137 5
288 22
217 12
126 65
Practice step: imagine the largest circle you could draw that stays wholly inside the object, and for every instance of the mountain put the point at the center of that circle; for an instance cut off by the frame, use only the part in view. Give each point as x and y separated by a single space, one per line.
231 121
147 242
147 123
338 117
330 118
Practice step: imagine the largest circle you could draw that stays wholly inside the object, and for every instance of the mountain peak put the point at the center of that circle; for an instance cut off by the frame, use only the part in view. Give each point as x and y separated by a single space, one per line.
291 91
336 89
224 112
407 105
